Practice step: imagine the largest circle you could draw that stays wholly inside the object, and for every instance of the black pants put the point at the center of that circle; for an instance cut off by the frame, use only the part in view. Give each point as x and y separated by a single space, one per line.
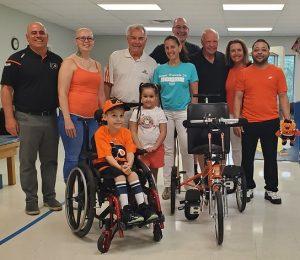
265 131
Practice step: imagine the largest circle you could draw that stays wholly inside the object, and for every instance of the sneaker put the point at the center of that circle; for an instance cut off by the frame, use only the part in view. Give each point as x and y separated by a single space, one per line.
130 217
53 205
273 197
166 193
249 195
32 208
146 212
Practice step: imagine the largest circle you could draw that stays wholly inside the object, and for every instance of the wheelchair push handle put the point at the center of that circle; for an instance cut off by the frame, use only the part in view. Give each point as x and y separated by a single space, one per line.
208 122
206 95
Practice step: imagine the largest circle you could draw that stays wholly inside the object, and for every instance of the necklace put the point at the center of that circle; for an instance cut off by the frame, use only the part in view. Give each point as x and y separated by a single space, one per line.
84 63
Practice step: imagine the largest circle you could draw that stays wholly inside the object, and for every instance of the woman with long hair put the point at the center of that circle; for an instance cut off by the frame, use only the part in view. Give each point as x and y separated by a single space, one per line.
179 81
237 58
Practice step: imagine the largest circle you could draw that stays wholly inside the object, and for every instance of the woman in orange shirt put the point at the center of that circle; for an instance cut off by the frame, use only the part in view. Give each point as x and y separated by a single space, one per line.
80 92
237 59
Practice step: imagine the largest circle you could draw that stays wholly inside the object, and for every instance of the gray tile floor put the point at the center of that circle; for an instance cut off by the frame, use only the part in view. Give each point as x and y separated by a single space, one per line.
263 231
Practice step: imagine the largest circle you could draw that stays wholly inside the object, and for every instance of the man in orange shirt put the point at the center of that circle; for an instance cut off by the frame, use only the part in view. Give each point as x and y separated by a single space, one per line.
257 90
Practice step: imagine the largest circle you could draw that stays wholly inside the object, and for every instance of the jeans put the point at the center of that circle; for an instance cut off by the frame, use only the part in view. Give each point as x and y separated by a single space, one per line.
74 145
175 119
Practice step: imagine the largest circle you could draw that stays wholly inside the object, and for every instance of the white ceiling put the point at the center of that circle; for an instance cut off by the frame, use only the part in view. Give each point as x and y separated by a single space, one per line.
200 14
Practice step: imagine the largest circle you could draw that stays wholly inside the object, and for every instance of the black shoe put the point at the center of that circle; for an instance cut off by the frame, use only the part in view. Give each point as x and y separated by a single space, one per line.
273 197
53 205
129 217
32 208
146 212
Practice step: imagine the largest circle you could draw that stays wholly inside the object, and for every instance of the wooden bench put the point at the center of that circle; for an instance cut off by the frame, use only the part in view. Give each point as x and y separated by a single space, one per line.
9 151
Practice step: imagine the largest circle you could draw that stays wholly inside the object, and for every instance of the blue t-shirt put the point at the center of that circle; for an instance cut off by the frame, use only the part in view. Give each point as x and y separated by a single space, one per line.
175 84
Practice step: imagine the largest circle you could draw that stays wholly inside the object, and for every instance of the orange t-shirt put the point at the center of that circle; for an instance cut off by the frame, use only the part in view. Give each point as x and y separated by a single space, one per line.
261 87
230 86
83 93
116 145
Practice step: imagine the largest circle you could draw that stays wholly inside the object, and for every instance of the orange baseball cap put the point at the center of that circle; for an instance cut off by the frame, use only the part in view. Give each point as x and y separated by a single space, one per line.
112 103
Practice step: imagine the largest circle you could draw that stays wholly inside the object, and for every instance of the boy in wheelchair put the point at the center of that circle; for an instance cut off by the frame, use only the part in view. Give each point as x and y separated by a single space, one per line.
115 150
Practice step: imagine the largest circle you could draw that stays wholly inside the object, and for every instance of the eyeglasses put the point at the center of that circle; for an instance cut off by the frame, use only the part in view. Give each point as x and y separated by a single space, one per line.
85 38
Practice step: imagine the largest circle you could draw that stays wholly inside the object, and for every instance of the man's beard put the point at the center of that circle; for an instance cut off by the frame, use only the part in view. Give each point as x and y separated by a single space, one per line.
262 62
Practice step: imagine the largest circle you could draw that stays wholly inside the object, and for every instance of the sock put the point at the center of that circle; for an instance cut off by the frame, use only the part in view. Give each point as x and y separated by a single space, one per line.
122 191
137 191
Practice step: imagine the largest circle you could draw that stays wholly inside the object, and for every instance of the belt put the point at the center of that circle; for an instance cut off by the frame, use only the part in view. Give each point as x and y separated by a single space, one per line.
36 113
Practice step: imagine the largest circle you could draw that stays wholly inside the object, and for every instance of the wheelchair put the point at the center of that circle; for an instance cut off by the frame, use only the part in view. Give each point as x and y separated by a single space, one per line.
208 134
90 195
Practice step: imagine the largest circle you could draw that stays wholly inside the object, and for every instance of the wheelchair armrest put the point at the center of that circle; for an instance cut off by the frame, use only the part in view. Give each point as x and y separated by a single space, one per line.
140 152
91 155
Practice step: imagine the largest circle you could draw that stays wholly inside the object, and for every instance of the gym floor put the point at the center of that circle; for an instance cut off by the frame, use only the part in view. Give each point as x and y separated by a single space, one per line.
263 231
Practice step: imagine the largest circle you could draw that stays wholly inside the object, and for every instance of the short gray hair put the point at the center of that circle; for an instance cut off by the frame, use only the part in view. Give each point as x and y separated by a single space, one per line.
136 27
209 30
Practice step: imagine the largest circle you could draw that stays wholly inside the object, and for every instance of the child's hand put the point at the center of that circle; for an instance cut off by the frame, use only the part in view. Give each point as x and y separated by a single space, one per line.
126 168
151 149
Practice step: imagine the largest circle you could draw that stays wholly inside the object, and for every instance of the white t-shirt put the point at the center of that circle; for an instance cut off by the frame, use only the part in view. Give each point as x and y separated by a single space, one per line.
148 125
126 74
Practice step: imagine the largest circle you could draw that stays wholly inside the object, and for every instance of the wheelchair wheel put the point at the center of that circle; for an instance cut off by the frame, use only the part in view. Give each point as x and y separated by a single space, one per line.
80 189
218 217
104 242
157 233
241 192
173 190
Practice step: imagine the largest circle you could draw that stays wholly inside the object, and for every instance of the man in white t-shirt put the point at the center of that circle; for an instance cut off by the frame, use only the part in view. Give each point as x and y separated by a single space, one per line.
130 67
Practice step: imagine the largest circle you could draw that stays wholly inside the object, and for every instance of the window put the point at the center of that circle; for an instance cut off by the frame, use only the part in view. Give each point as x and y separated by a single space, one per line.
289 70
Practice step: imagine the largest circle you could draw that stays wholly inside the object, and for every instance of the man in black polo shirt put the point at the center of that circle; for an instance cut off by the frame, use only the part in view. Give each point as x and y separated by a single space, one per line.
29 83
211 68
181 31
212 72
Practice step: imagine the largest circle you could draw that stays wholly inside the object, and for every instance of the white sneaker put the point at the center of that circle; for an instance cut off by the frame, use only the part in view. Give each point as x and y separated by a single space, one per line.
249 195
273 197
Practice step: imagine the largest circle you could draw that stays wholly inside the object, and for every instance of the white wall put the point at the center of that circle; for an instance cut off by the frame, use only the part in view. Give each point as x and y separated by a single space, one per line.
105 45
14 23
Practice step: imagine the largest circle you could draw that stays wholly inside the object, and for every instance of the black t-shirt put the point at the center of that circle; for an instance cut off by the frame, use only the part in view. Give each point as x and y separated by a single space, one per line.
33 79
212 76
160 56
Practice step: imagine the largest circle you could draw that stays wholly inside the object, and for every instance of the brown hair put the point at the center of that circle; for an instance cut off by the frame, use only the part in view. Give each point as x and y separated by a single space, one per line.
229 61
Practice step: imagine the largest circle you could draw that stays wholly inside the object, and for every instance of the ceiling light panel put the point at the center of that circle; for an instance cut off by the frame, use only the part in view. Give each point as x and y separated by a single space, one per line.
130 7
253 7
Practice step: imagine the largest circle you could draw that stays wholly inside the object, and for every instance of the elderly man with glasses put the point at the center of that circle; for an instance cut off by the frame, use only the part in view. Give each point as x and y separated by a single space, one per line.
181 31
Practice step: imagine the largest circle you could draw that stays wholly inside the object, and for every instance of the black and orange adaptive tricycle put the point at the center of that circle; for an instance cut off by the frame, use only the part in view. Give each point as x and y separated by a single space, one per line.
208 134
86 188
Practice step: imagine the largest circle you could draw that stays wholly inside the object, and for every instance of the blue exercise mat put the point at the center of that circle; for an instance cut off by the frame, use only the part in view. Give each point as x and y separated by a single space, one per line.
8 139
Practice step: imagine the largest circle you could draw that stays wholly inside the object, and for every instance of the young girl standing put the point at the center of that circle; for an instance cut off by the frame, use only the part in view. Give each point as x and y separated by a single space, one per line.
148 125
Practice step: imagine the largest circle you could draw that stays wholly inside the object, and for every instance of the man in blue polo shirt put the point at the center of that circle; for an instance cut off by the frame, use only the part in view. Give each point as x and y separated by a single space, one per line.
29 99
